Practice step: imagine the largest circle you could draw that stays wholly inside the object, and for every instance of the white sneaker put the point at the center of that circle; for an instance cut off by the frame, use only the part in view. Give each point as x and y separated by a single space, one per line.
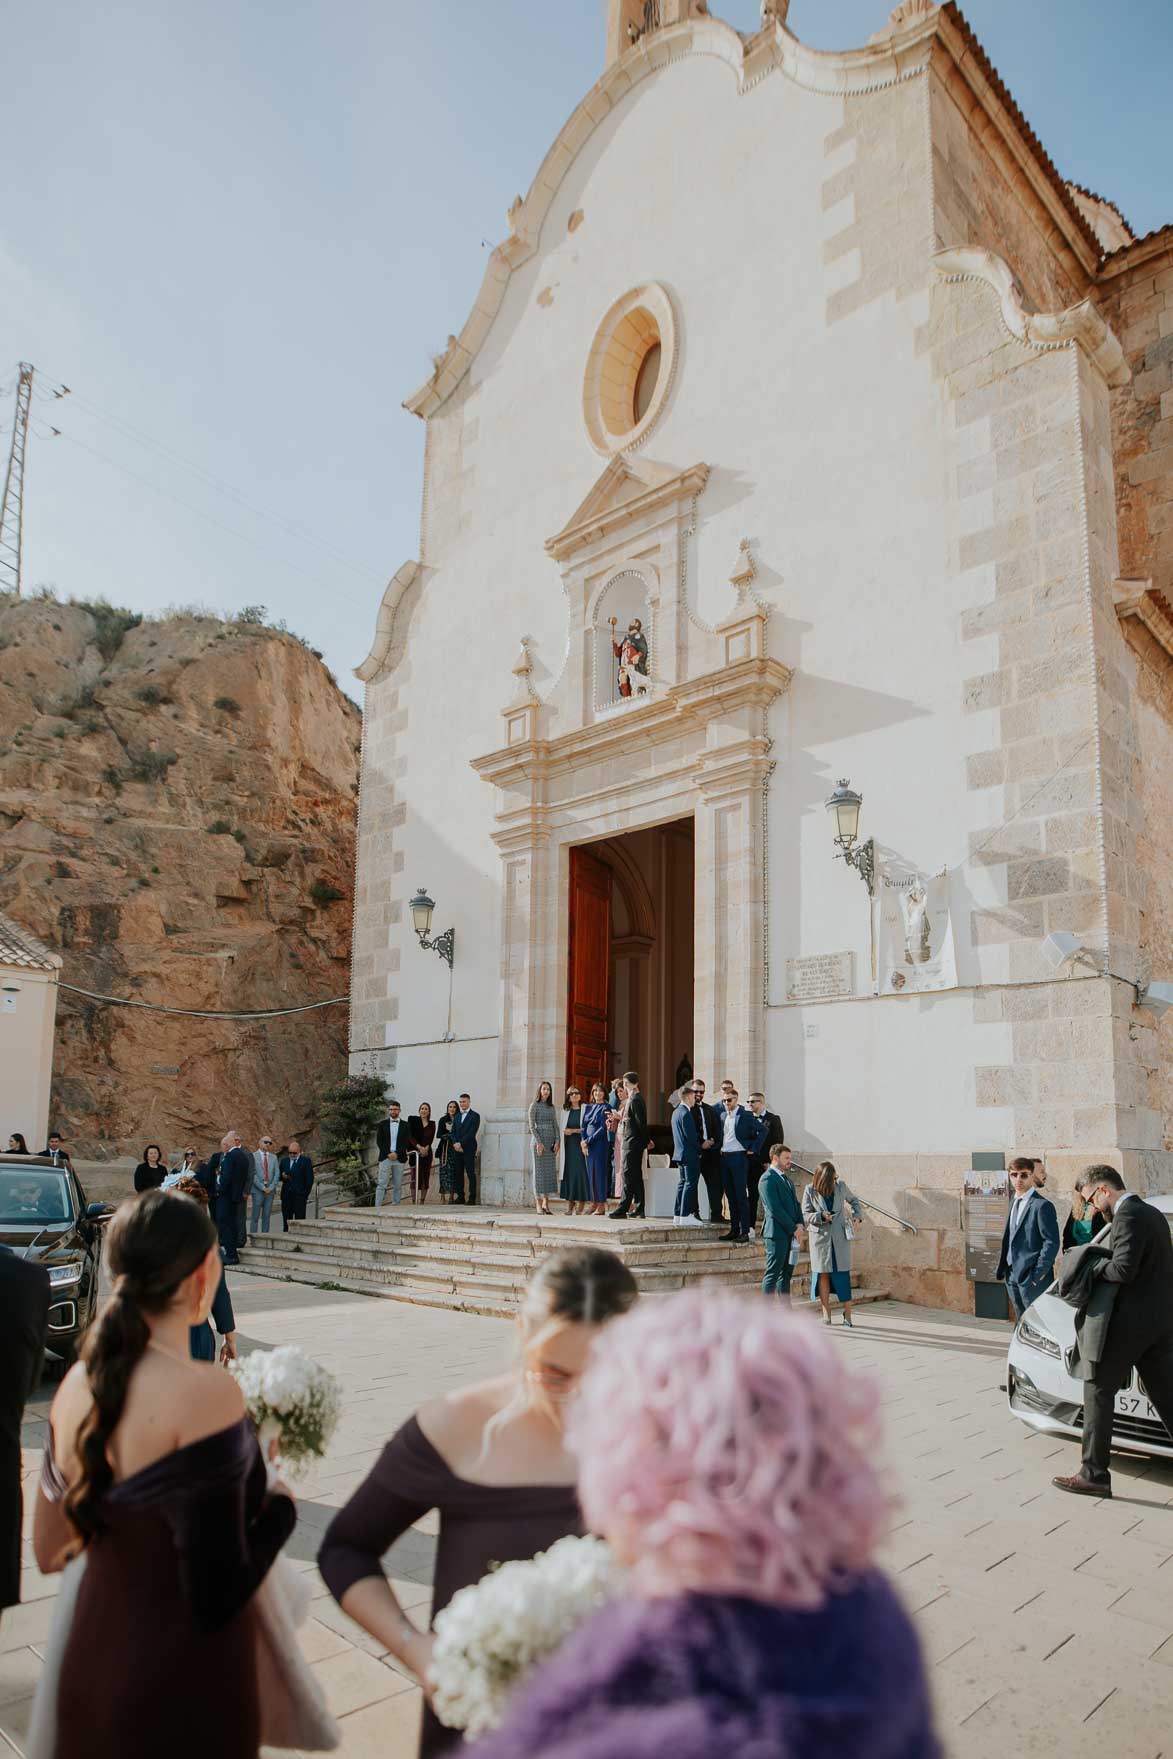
753 1233
690 1221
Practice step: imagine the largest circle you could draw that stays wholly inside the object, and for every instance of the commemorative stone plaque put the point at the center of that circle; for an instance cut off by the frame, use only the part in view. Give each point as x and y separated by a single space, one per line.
819 976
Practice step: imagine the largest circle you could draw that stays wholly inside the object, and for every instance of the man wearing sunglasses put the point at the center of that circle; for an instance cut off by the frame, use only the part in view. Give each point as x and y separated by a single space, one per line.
1030 1244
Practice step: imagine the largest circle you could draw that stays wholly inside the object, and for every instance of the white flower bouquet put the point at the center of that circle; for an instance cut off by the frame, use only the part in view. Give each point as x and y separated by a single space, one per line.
291 1401
490 1635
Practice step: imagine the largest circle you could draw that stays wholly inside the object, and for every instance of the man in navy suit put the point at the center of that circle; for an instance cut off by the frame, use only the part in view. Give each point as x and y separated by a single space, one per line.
707 1124
235 1177
741 1136
1030 1244
686 1151
462 1142
297 1181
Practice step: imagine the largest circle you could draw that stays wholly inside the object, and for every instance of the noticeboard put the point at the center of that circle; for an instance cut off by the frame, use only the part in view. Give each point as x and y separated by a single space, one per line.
987 1204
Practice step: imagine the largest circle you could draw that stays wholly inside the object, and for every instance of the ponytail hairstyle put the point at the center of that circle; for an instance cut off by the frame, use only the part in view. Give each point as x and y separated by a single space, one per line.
154 1244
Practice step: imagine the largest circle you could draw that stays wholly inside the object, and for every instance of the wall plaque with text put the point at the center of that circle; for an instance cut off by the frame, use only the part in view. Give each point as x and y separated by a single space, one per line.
821 975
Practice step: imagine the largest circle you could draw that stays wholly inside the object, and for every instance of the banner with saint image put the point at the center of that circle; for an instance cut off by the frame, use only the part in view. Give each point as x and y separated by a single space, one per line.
915 950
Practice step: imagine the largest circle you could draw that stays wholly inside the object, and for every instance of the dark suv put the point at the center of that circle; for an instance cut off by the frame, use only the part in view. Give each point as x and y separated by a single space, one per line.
44 1217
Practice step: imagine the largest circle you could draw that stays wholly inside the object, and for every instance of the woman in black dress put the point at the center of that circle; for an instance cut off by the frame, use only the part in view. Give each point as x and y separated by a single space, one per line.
491 1459
451 1177
422 1129
153 1468
151 1169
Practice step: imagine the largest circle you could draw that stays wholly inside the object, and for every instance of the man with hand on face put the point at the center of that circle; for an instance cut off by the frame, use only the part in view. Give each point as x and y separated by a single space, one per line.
1133 1331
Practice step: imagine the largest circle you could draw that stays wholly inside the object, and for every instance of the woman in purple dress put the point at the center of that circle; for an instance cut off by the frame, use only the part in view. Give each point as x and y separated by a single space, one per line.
730 1458
153 1470
492 1459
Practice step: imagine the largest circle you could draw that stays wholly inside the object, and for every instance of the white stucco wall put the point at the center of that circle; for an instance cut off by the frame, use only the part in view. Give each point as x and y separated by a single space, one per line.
28 1012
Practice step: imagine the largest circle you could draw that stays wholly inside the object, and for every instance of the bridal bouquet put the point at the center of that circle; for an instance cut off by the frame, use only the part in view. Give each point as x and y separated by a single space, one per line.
291 1401
490 1635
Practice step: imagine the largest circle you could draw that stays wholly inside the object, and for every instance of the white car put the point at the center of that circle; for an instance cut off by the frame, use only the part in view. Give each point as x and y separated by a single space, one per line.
1042 1390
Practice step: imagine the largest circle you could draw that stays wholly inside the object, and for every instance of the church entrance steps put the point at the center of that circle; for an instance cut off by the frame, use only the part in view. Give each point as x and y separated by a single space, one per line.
480 1261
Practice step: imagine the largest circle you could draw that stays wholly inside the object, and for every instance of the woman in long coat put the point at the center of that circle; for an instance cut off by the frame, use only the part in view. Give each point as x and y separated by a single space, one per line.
831 1211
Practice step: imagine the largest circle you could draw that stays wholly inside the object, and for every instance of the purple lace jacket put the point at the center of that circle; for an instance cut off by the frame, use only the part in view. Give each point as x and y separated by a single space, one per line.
703 1675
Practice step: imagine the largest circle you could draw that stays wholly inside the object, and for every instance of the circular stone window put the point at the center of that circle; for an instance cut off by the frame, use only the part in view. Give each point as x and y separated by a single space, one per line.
629 370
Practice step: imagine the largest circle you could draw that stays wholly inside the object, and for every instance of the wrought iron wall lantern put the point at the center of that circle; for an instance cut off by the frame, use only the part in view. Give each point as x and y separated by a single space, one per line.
421 920
845 803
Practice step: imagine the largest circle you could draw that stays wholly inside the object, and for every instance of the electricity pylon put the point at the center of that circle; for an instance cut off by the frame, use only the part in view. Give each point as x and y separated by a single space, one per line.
12 502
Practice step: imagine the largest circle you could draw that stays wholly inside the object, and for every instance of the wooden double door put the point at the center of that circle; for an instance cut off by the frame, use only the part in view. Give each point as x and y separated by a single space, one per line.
589 972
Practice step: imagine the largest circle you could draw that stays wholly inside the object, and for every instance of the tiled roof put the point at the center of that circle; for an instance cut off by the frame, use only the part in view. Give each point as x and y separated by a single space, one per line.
1043 158
1139 245
1104 201
19 947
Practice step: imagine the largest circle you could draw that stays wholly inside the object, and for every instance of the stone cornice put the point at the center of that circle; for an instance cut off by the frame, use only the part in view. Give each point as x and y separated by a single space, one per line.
1081 324
1138 599
385 622
582 531
1153 247
751 683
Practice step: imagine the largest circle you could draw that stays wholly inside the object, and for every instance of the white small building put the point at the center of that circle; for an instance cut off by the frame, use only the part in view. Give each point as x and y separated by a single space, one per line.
28 1016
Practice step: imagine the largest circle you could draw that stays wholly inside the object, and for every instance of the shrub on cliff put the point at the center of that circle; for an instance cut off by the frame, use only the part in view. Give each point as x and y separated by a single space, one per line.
347 1114
111 624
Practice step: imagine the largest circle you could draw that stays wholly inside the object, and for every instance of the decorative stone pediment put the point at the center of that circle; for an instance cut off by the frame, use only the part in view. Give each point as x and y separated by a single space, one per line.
627 490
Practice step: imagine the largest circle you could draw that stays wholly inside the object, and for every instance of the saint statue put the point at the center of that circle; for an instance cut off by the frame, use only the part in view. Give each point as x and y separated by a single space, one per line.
632 654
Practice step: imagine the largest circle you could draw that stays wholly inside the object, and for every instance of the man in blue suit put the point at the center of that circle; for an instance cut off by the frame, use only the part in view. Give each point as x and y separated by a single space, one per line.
741 1135
462 1142
233 1180
782 1221
686 1151
1030 1244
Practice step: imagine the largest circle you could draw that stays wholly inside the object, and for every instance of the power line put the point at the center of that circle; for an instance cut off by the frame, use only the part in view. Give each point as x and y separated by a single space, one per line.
204 1013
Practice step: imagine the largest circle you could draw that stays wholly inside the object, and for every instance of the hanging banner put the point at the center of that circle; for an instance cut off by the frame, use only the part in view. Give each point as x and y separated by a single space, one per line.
915 931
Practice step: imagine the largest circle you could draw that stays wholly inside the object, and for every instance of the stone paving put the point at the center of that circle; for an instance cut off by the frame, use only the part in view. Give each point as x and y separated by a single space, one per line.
1047 1623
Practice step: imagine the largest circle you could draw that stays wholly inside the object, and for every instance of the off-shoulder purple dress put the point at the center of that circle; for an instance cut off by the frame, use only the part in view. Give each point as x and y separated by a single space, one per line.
161 1658
480 1525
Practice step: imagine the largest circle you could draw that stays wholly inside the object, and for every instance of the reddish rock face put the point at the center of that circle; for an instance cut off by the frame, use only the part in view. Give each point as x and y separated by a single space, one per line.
174 851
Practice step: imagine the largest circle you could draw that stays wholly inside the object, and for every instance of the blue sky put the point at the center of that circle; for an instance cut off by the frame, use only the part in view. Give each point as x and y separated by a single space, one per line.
242 230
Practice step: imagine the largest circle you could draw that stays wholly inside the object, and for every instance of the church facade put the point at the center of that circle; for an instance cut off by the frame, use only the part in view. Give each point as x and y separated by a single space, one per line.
807 429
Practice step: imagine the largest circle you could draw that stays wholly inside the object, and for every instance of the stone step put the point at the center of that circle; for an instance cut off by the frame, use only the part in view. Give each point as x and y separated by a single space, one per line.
489 1303
409 1247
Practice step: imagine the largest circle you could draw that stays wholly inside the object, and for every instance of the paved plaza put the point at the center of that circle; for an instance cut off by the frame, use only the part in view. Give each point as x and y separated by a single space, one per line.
1047 1622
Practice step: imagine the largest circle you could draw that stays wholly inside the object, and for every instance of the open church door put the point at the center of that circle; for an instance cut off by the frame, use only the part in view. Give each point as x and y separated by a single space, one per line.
588 972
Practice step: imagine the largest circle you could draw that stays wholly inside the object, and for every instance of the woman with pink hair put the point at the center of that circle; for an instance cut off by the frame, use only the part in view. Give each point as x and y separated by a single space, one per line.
734 1474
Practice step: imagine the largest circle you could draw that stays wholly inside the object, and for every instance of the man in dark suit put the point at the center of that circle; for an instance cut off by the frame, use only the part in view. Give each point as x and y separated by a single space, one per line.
297 1181
781 1221
708 1128
462 1142
24 1319
1030 1242
56 1150
633 1141
760 1160
394 1142
232 1182
686 1151
741 1135
1139 1330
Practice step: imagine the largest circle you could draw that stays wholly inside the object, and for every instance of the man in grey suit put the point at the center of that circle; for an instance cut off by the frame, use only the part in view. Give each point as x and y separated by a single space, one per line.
1139 1330
266 1172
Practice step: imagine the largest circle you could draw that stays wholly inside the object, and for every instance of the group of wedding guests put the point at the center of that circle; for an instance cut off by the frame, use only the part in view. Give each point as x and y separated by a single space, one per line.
728 1454
233 1178
410 1148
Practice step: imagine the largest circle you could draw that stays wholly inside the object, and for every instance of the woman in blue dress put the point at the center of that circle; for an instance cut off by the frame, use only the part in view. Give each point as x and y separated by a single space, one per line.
597 1143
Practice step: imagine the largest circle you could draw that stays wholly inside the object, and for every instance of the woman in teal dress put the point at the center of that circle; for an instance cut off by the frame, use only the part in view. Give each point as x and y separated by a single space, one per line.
575 1187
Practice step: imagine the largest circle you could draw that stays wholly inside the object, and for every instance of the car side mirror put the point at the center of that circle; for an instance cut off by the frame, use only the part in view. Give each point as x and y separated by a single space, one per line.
96 1212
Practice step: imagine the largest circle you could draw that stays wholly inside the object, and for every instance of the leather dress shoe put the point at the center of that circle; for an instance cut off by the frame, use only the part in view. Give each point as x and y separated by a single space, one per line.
618 1215
1078 1485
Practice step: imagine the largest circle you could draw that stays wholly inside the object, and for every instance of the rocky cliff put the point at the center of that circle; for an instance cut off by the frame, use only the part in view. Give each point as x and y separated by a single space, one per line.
177 805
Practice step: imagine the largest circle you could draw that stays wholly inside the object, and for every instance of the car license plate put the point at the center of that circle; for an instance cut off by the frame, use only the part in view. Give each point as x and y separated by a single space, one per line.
1134 1404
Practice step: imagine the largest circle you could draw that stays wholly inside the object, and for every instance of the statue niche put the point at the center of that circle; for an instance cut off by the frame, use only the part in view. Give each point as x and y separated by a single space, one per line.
622 640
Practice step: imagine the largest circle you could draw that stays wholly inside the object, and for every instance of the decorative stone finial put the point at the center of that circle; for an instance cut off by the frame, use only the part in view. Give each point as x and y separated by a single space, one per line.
774 12
523 668
514 210
910 10
744 573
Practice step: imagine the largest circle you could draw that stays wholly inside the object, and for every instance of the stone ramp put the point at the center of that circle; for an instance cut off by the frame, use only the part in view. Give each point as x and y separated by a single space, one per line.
479 1260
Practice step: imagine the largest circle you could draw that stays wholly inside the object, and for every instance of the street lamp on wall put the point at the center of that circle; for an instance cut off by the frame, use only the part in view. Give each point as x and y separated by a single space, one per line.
421 920
844 804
